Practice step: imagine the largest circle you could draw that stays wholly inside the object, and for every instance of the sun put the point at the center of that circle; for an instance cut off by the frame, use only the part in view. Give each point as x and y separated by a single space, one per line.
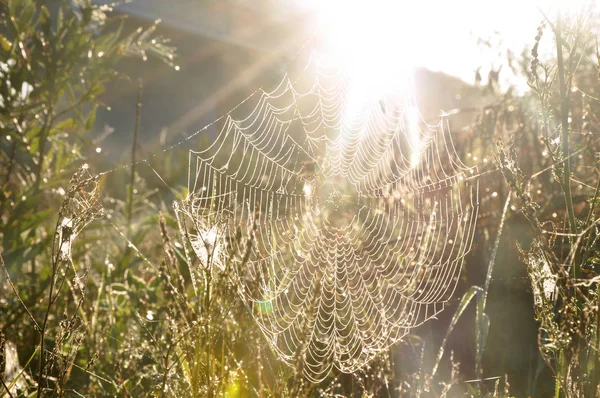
368 41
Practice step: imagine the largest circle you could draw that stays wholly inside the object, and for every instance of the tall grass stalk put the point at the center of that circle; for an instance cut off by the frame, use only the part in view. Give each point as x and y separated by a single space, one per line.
564 114
134 144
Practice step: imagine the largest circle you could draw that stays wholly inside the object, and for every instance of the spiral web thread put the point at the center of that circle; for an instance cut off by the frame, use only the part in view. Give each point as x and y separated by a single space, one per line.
361 216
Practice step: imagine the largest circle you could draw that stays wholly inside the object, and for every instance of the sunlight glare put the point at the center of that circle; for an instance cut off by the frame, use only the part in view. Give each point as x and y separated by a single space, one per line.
364 40
380 42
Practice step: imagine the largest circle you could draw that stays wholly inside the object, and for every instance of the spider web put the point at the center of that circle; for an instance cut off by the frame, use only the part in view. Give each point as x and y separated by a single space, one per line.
359 214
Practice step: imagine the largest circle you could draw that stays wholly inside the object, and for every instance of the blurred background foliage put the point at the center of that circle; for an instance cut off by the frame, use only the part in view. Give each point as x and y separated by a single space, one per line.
97 295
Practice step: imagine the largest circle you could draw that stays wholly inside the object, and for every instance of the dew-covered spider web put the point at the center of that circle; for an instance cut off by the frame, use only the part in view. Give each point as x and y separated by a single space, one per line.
358 213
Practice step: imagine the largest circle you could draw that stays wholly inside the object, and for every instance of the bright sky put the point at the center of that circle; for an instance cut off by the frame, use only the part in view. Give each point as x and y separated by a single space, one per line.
437 34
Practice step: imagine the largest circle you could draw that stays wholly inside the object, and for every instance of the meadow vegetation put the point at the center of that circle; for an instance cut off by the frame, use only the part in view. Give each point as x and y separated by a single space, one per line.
102 294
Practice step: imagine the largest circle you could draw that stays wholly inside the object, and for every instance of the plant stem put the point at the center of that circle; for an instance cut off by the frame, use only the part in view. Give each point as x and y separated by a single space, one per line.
55 261
48 122
136 130
207 299
564 111
558 381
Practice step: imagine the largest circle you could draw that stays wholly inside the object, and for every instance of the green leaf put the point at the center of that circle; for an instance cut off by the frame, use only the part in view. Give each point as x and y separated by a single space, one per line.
482 326
119 289
66 125
136 281
59 20
24 206
24 254
71 94
154 283
58 158
464 302
96 90
14 6
35 220
27 12
5 43
46 20
91 119
32 133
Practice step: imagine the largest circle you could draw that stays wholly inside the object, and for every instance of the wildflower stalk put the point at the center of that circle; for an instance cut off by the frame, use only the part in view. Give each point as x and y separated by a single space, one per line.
55 256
